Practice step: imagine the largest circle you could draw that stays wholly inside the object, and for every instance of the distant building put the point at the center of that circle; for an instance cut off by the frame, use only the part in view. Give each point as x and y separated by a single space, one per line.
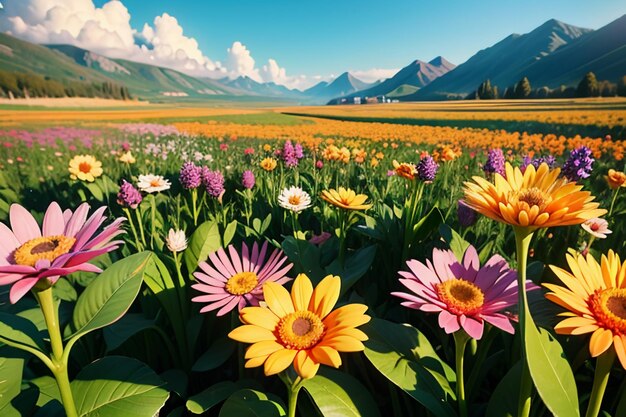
357 100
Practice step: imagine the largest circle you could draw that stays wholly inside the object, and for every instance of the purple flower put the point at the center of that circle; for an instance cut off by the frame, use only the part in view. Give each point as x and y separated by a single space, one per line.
467 216
190 176
579 164
427 169
247 179
128 196
495 162
213 181
298 151
548 159
289 155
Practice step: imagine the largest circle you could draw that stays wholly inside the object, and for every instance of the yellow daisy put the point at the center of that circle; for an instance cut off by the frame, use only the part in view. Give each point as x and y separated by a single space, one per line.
346 199
85 168
300 328
534 199
268 164
595 295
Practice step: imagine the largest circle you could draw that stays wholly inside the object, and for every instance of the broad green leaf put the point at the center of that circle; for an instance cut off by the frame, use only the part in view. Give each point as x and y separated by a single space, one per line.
458 245
176 381
10 381
337 394
125 328
63 290
95 190
229 233
251 403
428 223
504 399
356 265
108 297
211 396
203 241
48 389
118 386
550 370
406 357
23 404
215 356
305 257
20 333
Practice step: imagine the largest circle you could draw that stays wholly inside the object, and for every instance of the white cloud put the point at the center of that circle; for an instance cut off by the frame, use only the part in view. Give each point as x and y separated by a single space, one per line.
107 30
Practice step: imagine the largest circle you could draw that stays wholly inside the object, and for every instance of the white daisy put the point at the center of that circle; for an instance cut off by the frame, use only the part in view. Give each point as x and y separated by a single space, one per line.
176 240
294 199
153 183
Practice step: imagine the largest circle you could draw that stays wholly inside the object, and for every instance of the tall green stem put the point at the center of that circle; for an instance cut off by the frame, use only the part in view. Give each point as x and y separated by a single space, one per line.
194 205
152 219
59 367
140 225
132 227
293 396
522 243
604 363
613 201
460 341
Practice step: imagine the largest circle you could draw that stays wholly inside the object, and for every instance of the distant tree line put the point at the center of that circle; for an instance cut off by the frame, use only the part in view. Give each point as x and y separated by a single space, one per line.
24 85
589 86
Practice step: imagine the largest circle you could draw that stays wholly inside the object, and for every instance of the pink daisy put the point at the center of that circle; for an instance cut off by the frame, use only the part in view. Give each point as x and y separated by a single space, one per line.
32 256
237 281
464 294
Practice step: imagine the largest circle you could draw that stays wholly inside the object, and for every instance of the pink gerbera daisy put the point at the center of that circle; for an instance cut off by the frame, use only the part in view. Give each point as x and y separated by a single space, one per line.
238 281
31 256
464 294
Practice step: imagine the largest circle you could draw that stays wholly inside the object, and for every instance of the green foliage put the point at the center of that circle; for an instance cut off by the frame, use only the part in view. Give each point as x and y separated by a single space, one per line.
588 86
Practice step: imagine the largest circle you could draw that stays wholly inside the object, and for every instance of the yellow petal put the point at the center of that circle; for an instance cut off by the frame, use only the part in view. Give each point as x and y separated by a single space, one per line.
600 341
344 344
254 362
326 355
260 316
304 365
301 292
277 299
251 334
619 342
325 296
264 348
279 361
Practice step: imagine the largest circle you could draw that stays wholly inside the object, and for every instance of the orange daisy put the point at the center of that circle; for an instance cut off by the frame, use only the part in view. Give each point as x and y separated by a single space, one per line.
301 328
533 199
595 295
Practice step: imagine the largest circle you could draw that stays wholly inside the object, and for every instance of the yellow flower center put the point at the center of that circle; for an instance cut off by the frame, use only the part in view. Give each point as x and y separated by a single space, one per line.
47 247
461 297
242 283
294 200
300 330
155 183
533 197
609 308
84 167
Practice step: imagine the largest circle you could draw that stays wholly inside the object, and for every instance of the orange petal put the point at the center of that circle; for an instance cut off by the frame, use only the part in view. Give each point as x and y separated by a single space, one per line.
249 333
279 361
600 341
304 365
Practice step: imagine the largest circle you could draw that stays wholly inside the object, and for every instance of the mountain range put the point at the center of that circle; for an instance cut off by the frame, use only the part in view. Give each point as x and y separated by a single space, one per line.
551 55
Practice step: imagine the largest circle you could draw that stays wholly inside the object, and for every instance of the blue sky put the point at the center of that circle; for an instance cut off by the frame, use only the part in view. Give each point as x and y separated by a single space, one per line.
295 43
322 37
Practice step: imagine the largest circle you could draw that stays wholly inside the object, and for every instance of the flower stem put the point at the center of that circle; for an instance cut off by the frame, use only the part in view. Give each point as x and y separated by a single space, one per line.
293 396
522 243
134 230
194 205
152 219
59 367
613 201
604 363
140 224
460 341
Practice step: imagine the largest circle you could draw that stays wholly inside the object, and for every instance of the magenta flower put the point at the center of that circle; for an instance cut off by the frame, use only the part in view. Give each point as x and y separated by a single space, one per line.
238 280
30 256
464 294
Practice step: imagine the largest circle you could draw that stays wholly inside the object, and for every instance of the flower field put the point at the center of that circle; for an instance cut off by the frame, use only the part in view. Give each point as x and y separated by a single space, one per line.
245 263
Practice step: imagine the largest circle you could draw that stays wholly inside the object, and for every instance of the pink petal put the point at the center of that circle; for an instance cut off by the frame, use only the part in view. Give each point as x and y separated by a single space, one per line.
423 273
85 267
500 321
226 269
8 244
255 255
234 258
442 259
470 258
209 289
7 278
53 223
209 298
448 322
67 215
261 259
245 257
473 327
17 269
85 256
106 235
232 304
218 304
214 273
20 288
24 225
73 226
89 228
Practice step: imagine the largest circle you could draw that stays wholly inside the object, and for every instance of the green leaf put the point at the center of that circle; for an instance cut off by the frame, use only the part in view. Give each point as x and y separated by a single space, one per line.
356 265
20 333
10 381
406 357
63 290
229 233
251 403
203 241
550 370
107 298
211 396
458 245
176 381
505 397
95 190
215 356
305 257
48 390
117 386
337 394
428 223
125 328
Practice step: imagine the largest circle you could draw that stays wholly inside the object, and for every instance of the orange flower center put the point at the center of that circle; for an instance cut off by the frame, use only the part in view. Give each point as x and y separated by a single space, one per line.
294 200
532 196
242 283
47 247
300 330
609 308
84 167
461 297
155 183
